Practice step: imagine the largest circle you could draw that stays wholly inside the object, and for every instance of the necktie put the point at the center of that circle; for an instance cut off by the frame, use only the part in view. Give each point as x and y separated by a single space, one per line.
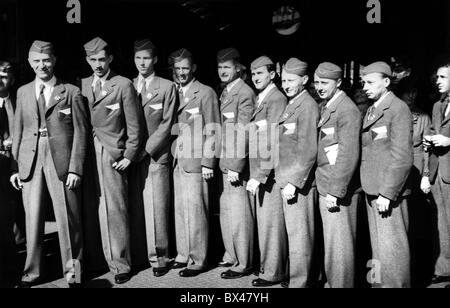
143 87
444 110
41 105
98 89
180 93
224 95
370 112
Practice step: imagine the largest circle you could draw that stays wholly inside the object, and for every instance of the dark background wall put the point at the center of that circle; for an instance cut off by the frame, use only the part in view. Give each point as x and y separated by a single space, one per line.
330 30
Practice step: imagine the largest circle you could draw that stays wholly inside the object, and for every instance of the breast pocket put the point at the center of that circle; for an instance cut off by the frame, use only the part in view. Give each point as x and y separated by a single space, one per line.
113 109
380 133
328 135
65 114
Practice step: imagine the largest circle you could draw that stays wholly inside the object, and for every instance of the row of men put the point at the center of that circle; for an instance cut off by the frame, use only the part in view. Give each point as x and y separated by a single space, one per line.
324 153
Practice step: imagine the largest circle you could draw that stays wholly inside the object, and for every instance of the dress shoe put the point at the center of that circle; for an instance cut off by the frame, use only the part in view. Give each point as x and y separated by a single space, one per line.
232 275
24 285
122 278
176 265
263 283
438 279
190 272
160 271
224 264
285 284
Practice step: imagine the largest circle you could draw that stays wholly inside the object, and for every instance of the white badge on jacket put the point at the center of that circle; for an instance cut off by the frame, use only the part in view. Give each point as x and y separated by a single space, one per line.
332 153
66 111
113 107
380 132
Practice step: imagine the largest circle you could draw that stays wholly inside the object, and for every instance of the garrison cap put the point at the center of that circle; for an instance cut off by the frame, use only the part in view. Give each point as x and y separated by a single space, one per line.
179 55
296 67
228 54
377 67
145 44
42 47
329 71
261 61
94 46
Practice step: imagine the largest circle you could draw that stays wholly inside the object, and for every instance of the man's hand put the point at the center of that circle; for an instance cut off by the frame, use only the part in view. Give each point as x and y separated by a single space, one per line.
233 177
73 181
383 204
7 144
289 192
332 205
16 182
207 173
121 165
252 186
440 141
425 185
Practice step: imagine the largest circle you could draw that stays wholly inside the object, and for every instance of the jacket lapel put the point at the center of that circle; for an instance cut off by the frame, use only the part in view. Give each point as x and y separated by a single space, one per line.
444 118
292 107
57 96
108 88
89 91
152 91
31 97
264 102
379 111
230 97
190 96
330 110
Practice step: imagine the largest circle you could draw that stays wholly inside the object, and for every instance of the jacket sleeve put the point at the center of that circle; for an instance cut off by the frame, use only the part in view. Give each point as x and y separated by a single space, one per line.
18 131
349 132
211 120
162 136
401 155
133 120
81 127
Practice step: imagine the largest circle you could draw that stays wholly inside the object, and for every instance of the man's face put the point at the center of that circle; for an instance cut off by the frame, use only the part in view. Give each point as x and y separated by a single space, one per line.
184 71
145 62
5 82
100 63
326 88
228 71
261 77
443 80
375 85
43 64
293 84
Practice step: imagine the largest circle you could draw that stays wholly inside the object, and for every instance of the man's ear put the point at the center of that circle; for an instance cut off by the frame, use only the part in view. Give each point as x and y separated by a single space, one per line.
155 60
87 59
305 79
194 67
272 75
111 58
387 82
339 83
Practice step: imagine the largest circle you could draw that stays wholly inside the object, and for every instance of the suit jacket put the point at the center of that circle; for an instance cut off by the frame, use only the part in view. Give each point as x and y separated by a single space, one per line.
440 157
66 117
338 148
298 142
198 109
387 153
421 128
237 110
266 115
116 116
160 113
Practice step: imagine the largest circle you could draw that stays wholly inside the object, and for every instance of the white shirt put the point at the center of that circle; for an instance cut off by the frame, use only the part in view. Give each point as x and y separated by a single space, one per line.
148 80
294 98
186 87
232 84
102 80
335 97
264 93
381 99
3 101
49 86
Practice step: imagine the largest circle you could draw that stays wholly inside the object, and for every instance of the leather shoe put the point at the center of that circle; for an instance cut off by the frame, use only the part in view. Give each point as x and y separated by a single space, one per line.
122 278
190 272
24 285
224 264
438 279
232 275
176 265
285 284
263 283
160 271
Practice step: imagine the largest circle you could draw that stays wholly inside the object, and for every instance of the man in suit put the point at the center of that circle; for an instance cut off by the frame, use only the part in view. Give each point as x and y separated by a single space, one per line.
151 176
263 149
294 174
116 118
337 161
387 158
236 211
8 199
50 133
439 145
195 159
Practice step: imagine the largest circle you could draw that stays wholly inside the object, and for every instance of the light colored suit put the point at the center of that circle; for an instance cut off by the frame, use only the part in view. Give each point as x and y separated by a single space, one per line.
386 161
43 164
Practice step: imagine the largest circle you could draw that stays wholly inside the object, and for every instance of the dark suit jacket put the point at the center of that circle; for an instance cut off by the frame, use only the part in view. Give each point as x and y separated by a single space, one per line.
440 157
387 154
266 115
239 105
194 148
67 125
116 117
160 113
339 132
298 142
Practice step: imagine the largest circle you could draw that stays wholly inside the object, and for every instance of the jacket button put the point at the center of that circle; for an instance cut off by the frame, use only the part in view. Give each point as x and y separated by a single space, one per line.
35 134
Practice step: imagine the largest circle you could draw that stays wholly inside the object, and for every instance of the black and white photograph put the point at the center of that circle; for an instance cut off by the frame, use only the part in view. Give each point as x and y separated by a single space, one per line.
223 149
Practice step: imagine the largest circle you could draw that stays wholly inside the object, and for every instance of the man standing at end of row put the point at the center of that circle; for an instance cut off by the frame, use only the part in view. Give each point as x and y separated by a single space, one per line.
116 118
386 161
337 161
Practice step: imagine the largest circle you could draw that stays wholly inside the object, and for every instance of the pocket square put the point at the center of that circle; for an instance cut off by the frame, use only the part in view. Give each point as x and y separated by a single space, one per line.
261 124
113 107
326 132
193 111
227 116
156 106
332 152
379 133
66 111
289 128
